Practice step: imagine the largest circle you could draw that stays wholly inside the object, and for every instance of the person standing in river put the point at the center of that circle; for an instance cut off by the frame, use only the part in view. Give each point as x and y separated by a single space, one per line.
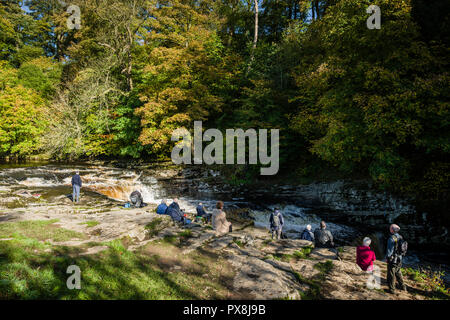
76 187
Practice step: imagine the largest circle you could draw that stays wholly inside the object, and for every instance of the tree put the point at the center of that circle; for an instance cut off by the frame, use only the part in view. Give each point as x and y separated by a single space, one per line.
185 68
255 37
22 122
372 101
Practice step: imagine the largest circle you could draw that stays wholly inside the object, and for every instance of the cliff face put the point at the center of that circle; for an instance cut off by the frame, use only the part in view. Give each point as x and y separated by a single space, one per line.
357 203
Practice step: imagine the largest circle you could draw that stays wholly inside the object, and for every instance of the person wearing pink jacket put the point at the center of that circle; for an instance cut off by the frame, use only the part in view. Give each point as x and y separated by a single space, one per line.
365 256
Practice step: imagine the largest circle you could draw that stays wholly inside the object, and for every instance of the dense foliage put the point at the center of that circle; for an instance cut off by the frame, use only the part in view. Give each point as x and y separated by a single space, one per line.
366 102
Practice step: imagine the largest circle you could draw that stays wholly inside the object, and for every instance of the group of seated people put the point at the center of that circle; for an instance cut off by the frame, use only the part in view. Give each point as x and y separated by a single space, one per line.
217 217
323 238
173 210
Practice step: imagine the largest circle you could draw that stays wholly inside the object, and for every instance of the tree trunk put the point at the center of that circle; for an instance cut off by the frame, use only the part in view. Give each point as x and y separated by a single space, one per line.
316 3
255 38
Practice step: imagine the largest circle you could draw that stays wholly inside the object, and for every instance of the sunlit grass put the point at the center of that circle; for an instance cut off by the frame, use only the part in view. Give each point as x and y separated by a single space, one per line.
39 230
91 224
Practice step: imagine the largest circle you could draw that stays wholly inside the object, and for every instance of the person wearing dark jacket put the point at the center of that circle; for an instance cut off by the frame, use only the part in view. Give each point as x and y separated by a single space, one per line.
162 207
394 260
276 223
175 212
76 186
136 199
201 212
323 237
307 234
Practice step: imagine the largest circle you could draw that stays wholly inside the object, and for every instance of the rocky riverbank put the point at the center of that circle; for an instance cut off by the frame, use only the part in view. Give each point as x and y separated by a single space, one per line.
355 203
253 266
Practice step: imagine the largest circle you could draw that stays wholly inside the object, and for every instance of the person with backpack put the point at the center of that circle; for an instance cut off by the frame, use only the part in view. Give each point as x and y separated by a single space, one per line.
323 237
136 199
162 207
175 212
307 234
276 223
365 256
396 250
76 186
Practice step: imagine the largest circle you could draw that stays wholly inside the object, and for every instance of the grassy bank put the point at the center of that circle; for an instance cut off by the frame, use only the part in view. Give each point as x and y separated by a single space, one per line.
32 268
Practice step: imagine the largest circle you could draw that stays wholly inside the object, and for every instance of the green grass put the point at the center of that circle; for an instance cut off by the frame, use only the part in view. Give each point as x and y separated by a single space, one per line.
91 224
314 292
39 230
238 242
186 234
155 226
170 240
296 255
324 267
314 287
303 253
30 269
432 281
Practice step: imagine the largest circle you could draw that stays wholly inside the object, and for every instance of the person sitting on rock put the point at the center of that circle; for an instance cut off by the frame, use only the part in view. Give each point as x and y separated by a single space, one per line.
201 212
162 207
365 256
323 237
307 234
136 199
276 223
175 212
219 220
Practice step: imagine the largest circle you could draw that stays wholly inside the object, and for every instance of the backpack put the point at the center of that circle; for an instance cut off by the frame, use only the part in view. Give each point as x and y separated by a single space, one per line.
276 220
401 246
323 237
